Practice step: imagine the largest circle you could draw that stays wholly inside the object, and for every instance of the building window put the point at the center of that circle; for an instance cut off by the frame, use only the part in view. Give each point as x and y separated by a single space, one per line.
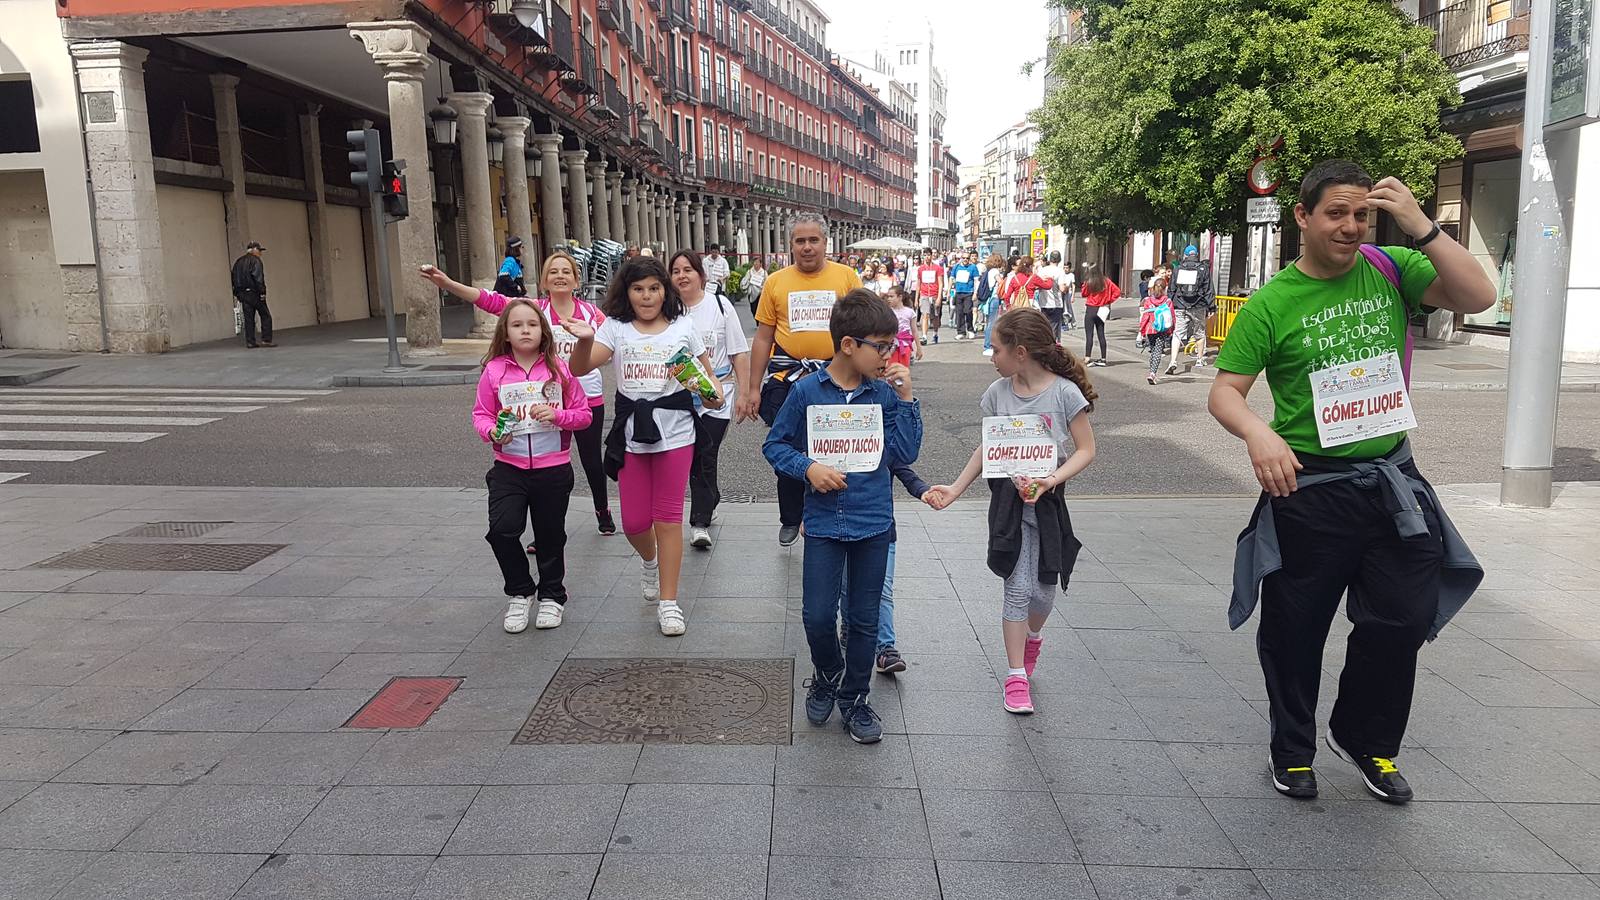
705 69
706 127
21 134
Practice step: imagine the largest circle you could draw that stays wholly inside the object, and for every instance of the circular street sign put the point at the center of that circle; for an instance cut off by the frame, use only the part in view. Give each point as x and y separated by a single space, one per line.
1263 176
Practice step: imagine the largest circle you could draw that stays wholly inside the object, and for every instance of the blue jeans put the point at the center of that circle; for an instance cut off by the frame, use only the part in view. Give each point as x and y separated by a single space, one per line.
826 566
885 606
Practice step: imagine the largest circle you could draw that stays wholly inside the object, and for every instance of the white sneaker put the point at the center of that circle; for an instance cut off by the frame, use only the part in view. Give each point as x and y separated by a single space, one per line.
549 615
700 539
650 582
670 617
517 615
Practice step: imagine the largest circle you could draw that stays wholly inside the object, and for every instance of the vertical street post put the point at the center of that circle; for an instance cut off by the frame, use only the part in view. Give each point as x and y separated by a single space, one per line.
1561 94
367 174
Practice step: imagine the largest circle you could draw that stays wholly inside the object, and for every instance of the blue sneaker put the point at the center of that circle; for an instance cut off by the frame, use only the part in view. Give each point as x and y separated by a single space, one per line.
821 697
862 723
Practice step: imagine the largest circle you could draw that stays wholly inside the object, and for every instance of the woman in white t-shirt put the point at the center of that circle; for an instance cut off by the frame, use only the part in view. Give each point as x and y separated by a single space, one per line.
729 349
651 443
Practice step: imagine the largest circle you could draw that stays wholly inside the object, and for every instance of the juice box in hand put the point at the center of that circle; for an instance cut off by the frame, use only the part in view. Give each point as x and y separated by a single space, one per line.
689 373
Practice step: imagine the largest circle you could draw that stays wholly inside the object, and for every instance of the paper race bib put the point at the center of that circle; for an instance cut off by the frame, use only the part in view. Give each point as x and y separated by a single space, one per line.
810 310
845 437
1188 276
644 367
1017 445
1360 400
714 339
523 397
929 276
565 342
963 276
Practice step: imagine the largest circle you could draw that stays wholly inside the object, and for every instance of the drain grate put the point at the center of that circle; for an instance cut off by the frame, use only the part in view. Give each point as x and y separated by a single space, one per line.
404 703
674 701
172 530
163 557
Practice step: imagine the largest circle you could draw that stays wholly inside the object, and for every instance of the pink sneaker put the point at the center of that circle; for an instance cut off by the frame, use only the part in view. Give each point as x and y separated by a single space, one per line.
1018 700
1030 654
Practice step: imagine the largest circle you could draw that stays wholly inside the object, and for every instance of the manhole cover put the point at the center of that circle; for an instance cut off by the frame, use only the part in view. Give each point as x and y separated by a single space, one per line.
172 529
674 701
163 557
404 703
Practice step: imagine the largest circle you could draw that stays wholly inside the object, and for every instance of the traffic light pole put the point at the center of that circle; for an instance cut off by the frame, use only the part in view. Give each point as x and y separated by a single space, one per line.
380 230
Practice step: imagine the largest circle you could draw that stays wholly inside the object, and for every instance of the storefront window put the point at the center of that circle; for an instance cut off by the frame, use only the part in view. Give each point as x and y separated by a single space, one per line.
1491 231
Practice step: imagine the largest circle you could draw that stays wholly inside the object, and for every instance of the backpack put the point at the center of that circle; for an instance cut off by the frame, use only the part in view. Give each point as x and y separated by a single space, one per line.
984 291
1161 317
1386 266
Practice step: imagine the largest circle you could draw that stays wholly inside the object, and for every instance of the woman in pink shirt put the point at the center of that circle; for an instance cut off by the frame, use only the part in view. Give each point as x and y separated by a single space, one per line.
528 406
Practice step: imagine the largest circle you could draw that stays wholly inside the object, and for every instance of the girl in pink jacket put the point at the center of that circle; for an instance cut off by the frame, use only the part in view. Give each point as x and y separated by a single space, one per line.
528 406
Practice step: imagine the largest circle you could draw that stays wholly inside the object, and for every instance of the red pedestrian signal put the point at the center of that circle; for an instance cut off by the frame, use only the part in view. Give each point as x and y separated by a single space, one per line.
395 202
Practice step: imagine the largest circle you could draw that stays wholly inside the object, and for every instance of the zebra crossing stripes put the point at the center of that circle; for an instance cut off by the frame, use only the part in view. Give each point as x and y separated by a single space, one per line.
98 420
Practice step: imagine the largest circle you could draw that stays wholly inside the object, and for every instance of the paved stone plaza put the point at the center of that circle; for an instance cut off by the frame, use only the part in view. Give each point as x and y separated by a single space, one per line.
179 734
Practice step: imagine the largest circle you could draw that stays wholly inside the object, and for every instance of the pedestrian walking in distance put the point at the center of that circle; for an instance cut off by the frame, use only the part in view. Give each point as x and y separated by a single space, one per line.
1344 512
1155 324
528 407
650 447
250 289
1031 544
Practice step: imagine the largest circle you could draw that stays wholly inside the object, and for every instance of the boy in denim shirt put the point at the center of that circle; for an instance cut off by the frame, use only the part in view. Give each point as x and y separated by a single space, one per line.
849 518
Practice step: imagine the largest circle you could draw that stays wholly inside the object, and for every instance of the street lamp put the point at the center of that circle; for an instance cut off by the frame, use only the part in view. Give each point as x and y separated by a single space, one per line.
535 161
497 146
442 120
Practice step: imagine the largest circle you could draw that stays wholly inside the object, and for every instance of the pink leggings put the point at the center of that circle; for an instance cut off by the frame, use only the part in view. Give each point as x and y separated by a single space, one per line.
650 488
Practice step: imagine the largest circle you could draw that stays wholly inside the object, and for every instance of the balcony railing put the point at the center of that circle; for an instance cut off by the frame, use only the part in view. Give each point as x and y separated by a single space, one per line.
612 14
677 13
588 74
507 24
562 51
681 85
614 101
1476 31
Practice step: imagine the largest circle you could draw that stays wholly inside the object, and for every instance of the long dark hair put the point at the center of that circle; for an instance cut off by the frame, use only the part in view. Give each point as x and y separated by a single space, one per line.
1095 280
616 304
1027 328
500 343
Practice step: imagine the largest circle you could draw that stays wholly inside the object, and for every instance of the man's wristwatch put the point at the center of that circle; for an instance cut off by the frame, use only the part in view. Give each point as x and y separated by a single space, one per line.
1432 233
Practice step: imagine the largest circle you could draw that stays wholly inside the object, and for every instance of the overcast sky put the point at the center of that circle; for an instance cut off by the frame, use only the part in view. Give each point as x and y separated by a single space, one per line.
981 47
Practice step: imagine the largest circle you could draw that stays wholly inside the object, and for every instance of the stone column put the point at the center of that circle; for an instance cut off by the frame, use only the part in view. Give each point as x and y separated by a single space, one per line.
128 229
317 212
685 241
694 239
554 218
666 231
708 220
600 205
472 110
578 195
519 212
725 217
230 153
630 224
619 229
400 48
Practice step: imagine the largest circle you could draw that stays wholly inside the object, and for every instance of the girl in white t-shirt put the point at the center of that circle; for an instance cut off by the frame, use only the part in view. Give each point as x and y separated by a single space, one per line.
651 443
729 348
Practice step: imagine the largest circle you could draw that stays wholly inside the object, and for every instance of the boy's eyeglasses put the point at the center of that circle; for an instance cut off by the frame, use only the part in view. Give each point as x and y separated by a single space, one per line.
885 350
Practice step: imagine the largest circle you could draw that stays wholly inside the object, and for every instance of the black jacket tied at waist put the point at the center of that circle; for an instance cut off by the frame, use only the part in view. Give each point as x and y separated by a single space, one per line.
1058 548
643 414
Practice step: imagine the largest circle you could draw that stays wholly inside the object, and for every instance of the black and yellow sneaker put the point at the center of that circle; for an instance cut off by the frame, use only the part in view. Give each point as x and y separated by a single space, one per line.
1382 777
1298 782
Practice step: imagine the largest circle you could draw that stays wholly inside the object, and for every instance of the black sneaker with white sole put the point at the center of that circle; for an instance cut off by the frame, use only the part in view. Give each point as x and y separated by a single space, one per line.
788 534
1381 776
1298 782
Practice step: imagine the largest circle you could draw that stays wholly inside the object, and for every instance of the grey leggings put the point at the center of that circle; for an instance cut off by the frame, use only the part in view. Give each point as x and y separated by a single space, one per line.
1025 595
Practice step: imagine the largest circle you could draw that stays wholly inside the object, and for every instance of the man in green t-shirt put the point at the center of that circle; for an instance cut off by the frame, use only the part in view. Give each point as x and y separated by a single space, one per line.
1329 332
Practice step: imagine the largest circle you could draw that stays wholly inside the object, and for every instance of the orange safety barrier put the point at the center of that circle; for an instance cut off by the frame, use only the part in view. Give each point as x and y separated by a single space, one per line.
1222 319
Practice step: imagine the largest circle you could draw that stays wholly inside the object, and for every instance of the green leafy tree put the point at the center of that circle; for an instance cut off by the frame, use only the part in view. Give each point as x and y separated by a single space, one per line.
1162 109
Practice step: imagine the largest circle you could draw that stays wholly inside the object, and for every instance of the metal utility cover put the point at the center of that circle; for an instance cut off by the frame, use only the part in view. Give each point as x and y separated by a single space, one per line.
172 529
163 557
669 701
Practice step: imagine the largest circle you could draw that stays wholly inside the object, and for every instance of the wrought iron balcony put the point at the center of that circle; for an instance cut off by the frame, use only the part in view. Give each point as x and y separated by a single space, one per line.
1473 32
562 55
613 14
615 103
587 76
535 37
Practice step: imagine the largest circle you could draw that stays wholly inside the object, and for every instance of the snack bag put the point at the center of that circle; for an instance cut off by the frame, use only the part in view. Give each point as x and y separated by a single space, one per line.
687 370
503 423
